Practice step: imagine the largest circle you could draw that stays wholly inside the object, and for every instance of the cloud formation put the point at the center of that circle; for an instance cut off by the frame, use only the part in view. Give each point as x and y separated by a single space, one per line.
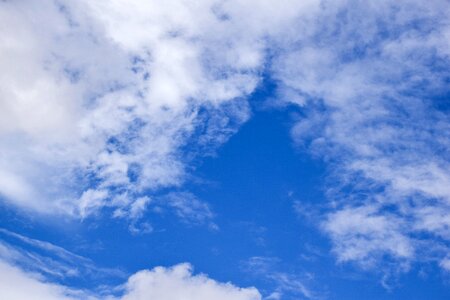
285 283
159 283
16 284
92 104
106 102
178 282
39 270
370 79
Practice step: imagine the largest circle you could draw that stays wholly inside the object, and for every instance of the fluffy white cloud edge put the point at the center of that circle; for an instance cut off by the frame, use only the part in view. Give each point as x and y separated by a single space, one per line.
173 283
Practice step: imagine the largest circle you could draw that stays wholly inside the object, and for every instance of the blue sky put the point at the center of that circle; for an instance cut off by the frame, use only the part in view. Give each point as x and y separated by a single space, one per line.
239 150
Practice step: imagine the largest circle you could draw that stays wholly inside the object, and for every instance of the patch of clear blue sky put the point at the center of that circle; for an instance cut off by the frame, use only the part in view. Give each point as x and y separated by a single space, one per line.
251 184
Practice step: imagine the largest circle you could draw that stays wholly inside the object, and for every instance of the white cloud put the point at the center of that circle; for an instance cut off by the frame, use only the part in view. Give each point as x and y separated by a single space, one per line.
159 283
285 283
189 208
363 234
19 285
445 264
104 95
58 251
179 282
91 102
48 259
25 273
367 78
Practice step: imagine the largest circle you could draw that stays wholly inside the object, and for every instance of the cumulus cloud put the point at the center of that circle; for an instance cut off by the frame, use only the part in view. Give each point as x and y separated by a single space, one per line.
179 282
159 283
38 271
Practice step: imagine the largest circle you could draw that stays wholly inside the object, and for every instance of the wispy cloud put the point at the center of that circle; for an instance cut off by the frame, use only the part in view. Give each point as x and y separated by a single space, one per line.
189 208
369 79
49 259
17 284
287 284
27 273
